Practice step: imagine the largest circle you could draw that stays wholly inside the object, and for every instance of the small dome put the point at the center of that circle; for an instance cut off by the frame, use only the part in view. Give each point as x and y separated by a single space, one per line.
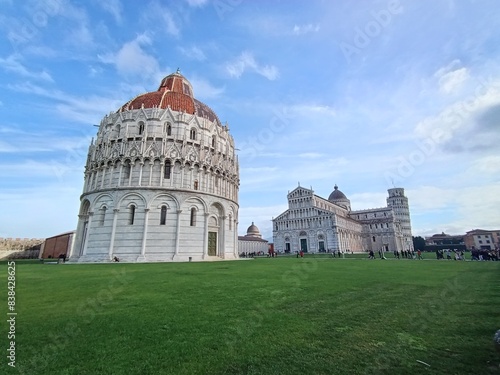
336 194
253 231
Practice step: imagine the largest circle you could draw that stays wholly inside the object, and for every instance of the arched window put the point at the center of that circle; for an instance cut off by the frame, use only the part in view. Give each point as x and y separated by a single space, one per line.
131 216
126 170
118 130
373 238
169 129
103 215
213 141
195 184
192 221
141 128
192 134
163 215
168 170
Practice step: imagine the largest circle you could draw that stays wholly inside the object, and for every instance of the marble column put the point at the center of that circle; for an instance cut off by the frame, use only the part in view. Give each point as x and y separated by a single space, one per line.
142 257
113 231
177 234
86 239
205 236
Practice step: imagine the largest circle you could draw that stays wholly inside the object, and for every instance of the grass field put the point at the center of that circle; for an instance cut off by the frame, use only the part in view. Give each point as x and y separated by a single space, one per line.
264 316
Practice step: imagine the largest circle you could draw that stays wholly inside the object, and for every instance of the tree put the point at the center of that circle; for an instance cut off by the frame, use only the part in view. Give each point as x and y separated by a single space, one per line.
418 243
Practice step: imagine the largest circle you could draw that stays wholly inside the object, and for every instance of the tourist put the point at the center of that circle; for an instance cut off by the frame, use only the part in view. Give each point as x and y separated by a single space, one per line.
419 252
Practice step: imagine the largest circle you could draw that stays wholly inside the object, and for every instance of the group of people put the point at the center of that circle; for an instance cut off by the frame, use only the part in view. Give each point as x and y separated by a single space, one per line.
484 254
408 254
252 254
336 253
405 254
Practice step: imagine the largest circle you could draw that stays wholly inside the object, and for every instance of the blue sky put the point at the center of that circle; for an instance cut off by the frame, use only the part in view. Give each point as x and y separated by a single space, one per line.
366 94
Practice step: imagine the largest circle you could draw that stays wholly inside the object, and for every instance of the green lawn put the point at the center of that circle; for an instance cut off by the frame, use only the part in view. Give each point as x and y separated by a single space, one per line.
315 315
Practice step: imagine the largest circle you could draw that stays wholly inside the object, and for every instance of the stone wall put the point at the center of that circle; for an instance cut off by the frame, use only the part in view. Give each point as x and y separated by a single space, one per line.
19 244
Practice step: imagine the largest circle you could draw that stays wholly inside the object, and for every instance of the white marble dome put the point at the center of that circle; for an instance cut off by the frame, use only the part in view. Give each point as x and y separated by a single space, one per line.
161 182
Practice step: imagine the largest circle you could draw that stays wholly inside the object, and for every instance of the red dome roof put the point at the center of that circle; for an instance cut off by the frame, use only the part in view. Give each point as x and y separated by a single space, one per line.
175 92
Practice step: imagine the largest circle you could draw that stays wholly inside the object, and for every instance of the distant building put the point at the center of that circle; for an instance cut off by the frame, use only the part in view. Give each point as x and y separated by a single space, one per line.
58 245
444 239
252 242
482 239
315 224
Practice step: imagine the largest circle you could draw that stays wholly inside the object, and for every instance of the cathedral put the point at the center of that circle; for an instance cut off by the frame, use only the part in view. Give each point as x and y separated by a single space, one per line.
315 224
161 182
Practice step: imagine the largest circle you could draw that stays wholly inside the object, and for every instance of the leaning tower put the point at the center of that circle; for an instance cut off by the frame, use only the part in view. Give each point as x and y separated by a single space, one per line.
161 182
399 203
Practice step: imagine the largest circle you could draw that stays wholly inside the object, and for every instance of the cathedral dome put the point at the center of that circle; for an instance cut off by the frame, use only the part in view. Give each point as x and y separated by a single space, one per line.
253 231
336 194
174 92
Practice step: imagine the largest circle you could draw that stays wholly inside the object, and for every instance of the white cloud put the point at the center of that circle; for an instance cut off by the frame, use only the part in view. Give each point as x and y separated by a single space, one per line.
245 62
7 147
204 90
78 33
114 7
309 108
452 81
12 64
193 53
461 114
473 206
197 3
451 77
310 155
132 59
161 16
305 29
88 110
455 64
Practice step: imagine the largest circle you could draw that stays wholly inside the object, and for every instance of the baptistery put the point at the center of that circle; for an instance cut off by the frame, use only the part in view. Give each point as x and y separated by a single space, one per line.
161 182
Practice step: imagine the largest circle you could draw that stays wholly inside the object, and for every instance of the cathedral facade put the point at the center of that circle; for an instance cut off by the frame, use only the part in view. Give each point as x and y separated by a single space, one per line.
161 182
315 224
